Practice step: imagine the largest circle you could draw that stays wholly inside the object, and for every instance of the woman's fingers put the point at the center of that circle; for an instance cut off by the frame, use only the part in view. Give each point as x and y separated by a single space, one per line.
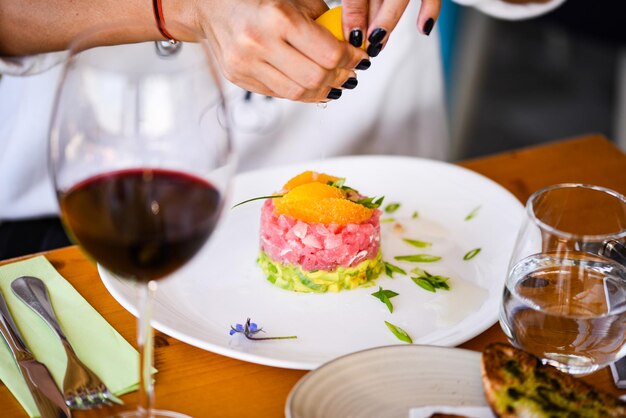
354 17
428 15
384 17
319 45
307 73
273 48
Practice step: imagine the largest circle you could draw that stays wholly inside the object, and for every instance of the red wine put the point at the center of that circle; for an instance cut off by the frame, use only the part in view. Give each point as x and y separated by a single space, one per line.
141 223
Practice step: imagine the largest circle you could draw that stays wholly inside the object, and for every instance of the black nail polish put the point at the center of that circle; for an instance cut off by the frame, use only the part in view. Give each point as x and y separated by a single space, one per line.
374 49
350 83
364 65
356 38
334 94
428 26
377 35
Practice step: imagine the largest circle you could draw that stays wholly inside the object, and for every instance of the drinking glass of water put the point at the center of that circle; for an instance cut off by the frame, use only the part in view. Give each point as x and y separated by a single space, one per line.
565 295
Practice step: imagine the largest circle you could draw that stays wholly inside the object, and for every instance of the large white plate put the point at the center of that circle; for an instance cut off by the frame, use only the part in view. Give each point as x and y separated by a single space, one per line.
389 382
223 286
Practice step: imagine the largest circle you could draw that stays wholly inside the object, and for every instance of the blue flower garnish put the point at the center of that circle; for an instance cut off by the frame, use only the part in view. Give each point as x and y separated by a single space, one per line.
250 329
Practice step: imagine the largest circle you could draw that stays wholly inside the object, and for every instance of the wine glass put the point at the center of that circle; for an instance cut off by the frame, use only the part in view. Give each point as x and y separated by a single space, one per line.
141 160
565 295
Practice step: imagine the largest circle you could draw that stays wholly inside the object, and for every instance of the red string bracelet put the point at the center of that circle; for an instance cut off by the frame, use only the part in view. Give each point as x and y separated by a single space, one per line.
160 21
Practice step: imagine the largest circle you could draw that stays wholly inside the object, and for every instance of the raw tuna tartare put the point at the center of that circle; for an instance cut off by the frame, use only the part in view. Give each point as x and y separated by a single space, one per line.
320 236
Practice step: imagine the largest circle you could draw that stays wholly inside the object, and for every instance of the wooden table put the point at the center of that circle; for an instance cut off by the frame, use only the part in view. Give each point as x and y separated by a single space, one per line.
203 384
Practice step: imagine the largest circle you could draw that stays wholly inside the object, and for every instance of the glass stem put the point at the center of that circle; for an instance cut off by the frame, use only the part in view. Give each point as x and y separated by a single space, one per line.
145 293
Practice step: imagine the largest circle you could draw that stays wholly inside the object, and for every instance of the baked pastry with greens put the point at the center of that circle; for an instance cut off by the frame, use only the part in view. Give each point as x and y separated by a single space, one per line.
518 385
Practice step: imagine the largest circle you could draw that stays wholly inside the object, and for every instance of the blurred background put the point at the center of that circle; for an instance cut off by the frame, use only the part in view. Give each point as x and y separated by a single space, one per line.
513 84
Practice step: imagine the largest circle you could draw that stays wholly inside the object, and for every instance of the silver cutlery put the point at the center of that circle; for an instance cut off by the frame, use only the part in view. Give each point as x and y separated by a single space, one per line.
616 250
82 388
48 398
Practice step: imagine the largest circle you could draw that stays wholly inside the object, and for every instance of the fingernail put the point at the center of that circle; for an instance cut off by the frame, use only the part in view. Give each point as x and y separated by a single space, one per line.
377 35
374 49
350 83
334 94
363 65
356 38
428 26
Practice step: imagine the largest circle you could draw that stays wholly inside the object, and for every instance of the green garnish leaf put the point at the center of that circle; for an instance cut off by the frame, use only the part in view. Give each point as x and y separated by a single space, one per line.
399 333
384 296
371 202
473 213
432 283
390 269
337 183
415 215
418 258
387 220
416 243
423 283
471 254
340 184
392 207
419 272
274 196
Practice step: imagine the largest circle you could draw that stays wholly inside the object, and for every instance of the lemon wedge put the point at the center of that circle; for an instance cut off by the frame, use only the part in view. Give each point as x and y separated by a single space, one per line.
331 20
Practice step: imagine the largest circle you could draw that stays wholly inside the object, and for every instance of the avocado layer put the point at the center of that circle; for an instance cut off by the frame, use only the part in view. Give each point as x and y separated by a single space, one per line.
292 277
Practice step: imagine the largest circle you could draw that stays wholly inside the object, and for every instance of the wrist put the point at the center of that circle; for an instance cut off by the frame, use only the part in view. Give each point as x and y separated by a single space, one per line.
177 13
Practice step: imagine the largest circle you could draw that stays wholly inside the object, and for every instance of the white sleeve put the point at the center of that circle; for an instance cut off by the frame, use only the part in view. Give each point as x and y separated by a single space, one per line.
511 11
31 64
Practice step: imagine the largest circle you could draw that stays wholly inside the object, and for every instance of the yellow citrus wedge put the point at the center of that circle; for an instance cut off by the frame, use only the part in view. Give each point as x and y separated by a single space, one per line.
313 190
326 211
308 177
331 20
320 203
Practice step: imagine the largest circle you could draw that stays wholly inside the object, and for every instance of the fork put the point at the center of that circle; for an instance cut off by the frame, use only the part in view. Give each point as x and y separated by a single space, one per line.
82 388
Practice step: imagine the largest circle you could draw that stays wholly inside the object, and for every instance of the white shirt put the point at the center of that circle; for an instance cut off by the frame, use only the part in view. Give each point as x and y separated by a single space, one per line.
397 108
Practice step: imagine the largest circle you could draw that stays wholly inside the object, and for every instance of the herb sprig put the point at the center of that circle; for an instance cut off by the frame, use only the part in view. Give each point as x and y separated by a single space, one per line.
427 281
473 213
471 254
417 243
274 196
399 333
390 269
384 295
392 207
370 202
418 258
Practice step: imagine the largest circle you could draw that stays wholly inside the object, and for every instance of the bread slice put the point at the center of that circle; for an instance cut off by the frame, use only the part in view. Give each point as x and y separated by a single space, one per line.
518 385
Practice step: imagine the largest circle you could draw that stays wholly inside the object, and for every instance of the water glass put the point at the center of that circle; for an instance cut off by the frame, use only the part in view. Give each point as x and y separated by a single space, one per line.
565 295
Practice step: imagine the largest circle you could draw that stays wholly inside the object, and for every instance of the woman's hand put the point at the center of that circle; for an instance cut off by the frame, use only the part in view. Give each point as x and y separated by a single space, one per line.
377 19
273 47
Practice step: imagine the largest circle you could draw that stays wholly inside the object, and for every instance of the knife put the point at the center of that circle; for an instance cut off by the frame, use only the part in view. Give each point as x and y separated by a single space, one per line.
47 396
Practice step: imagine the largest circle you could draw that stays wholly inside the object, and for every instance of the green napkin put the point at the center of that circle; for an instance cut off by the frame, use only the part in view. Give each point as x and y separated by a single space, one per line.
96 343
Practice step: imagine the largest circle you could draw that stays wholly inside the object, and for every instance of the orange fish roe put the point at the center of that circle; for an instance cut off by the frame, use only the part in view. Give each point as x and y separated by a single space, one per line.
308 177
321 203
